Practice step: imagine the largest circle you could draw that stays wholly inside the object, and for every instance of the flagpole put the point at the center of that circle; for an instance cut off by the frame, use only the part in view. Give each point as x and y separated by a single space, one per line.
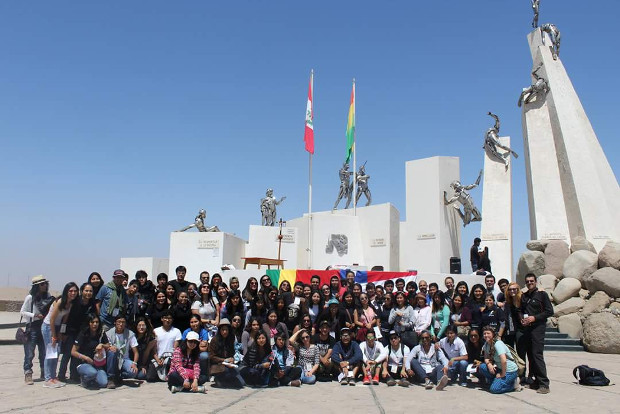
354 160
309 249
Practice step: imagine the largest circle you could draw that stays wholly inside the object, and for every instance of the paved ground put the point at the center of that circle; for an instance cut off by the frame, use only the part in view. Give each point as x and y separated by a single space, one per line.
566 395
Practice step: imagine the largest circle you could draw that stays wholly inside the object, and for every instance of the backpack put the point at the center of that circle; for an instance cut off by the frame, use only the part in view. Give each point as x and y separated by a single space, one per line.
517 360
590 376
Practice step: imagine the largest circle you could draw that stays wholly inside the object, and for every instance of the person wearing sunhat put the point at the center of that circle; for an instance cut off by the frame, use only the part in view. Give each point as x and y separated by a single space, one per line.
347 356
35 307
112 300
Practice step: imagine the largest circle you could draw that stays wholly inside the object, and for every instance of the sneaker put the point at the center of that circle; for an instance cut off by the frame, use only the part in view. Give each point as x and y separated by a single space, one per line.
201 390
174 389
50 384
442 383
543 390
366 380
58 383
391 382
463 384
428 384
403 383
111 385
344 381
375 379
517 385
295 383
28 379
352 381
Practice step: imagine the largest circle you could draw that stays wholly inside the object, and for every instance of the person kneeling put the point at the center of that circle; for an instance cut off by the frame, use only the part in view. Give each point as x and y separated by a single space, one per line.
425 363
184 374
498 365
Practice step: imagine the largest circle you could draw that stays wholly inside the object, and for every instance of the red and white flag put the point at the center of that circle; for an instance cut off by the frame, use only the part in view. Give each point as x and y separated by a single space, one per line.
309 131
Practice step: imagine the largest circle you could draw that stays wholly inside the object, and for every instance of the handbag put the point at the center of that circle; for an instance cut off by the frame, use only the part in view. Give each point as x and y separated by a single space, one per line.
21 336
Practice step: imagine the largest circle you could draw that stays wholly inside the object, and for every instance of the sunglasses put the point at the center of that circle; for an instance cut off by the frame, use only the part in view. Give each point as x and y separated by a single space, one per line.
513 289
305 337
426 338
393 337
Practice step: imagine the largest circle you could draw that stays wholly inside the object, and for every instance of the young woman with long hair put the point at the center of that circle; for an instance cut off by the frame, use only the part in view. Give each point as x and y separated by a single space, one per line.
207 308
185 374
35 308
498 368
90 350
440 316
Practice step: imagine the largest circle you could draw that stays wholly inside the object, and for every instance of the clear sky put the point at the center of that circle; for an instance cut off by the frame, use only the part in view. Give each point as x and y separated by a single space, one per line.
119 120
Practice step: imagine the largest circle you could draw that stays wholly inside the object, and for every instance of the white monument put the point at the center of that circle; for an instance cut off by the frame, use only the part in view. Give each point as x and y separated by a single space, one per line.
263 242
151 265
431 233
496 225
572 190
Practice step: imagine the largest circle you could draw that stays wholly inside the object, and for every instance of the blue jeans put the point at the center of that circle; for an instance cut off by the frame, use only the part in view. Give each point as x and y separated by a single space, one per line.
458 368
89 373
50 364
35 340
421 374
499 385
204 363
307 379
113 370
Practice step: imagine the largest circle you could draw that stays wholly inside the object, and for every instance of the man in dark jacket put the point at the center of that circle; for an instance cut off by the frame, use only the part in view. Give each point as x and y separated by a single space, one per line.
535 309
347 356
473 254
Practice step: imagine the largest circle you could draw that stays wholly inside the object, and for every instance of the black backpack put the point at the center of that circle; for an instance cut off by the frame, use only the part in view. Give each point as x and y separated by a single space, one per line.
590 376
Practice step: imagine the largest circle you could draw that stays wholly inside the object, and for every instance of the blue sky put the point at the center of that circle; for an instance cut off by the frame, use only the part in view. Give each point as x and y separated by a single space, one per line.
119 120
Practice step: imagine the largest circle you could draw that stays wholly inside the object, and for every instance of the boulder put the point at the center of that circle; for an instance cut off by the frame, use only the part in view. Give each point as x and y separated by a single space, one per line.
571 305
614 306
584 294
609 256
606 279
580 265
566 288
600 333
547 282
530 262
552 322
580 243
570 325
556 254
595 304
537 245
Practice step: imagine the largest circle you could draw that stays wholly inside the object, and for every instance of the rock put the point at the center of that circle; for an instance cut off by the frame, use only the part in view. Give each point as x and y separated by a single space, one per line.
580 243
570 325
552 322
580 265
556 254
606 279
547 282
600 333
614 306
530 262
596 303
537 245
566 288
584 294
609 256
571 305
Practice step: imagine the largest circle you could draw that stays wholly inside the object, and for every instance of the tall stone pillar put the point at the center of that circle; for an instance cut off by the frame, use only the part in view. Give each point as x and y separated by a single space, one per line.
572 190
496 225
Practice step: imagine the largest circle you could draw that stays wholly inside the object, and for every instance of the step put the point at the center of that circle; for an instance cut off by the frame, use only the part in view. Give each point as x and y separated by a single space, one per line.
568 348
563 341
555 334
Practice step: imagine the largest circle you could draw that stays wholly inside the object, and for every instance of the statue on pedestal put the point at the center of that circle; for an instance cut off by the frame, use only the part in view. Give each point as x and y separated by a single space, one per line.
539 88
491 143
470 212
554 34
268 208
199 223
362 185
535 6
346 188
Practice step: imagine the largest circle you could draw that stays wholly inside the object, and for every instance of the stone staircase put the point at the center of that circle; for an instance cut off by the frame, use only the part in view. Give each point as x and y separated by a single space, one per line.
556 341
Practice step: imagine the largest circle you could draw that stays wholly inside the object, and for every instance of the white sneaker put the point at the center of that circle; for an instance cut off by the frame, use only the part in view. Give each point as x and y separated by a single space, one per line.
174 389
428 384
442 383
517 385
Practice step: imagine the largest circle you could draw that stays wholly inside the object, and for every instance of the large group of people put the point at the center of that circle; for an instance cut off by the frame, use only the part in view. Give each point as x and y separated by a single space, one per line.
260 335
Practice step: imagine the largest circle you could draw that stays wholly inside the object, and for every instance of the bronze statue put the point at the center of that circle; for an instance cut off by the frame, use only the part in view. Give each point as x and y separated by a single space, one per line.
470 212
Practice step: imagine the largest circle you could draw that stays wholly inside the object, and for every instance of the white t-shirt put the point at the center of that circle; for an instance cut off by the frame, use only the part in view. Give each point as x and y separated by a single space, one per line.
396 357
206 311
454 349
165 339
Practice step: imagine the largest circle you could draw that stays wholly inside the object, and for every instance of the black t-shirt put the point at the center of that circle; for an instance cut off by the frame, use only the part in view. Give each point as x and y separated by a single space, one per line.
87 343
323 345
473 254
179 286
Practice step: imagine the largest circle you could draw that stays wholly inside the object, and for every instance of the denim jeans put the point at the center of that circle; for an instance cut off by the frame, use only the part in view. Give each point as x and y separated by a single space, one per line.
50 364
89 373
204 363
112 367
35 340
420 373
307 379
499 385
458 369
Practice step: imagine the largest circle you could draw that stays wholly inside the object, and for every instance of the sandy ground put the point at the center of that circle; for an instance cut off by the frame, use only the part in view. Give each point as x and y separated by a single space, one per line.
566 395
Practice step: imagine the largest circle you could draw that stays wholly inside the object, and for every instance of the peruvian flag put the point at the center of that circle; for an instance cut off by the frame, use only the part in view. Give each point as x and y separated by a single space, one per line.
309 132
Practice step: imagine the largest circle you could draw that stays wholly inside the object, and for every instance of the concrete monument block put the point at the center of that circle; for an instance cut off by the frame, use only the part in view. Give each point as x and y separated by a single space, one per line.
151 265
263 242
571 187
431 233
496 226
204 251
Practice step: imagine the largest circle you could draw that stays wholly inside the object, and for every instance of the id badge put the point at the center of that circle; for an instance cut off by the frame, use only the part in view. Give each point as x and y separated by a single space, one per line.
393 369
115 312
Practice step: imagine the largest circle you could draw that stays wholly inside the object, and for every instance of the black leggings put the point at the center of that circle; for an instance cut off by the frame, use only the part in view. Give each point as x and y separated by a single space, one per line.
176 380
